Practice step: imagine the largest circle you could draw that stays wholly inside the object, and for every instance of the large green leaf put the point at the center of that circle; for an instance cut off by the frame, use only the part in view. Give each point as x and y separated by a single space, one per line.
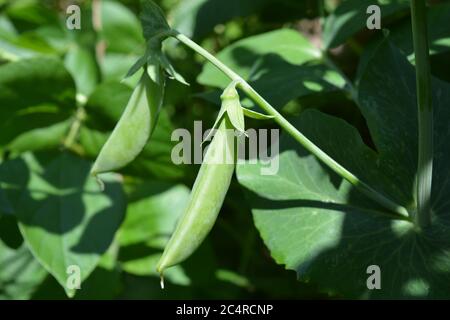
153 20
35 95
392 119
104 283
22 46
43 40
281 64
121 29
196 18
81 64
20 273
5 206
9 231
320 226
153 210
401 36
104 108
438 31
63 215
6 26
350 17
115 66
29 14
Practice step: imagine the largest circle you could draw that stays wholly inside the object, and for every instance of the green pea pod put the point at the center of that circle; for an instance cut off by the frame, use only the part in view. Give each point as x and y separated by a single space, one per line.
207 196
134 127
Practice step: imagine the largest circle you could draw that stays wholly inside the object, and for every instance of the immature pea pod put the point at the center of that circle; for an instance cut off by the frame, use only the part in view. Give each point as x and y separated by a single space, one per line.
134 127
208 192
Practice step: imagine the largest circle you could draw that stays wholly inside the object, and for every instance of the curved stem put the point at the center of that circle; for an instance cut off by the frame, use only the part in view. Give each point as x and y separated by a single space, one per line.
208 56
291 130
425 112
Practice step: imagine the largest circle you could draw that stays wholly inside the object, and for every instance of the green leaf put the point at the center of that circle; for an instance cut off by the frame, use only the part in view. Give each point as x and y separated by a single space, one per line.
50 137
116 65
9 232
121 29
25 45
29 14
104 283
35 94
196 277
438 31
394 138
170 70
20 273
125 43
281 64
196 18
5 206
6 26
153 20
140 63
63 216
401 36
315 223
351 17
153 210
81 64
256 115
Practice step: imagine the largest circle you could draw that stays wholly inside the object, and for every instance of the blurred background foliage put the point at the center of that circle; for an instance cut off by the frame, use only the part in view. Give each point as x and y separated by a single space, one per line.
52 78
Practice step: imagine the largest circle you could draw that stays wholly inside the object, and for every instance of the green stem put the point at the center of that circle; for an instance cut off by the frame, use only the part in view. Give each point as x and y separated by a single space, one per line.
425 112
290 129
74 128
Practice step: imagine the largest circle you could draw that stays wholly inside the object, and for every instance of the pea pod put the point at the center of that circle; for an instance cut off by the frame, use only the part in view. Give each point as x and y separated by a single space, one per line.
134 127
207 196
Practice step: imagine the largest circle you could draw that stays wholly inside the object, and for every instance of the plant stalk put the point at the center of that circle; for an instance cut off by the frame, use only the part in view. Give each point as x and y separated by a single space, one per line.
74 128
425 112
290 129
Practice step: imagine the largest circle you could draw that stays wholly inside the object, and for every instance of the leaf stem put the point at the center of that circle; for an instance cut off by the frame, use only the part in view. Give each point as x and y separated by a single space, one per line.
74 128
291 130
425 112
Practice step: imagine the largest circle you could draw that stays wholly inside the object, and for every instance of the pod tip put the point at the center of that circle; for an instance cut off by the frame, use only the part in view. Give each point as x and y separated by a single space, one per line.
99 181
162 281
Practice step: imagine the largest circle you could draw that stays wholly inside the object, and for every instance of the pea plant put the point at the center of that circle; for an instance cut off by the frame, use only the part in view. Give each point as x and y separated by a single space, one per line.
93 206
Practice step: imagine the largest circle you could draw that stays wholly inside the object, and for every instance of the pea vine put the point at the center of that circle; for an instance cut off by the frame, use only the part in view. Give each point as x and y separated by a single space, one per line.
204 204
